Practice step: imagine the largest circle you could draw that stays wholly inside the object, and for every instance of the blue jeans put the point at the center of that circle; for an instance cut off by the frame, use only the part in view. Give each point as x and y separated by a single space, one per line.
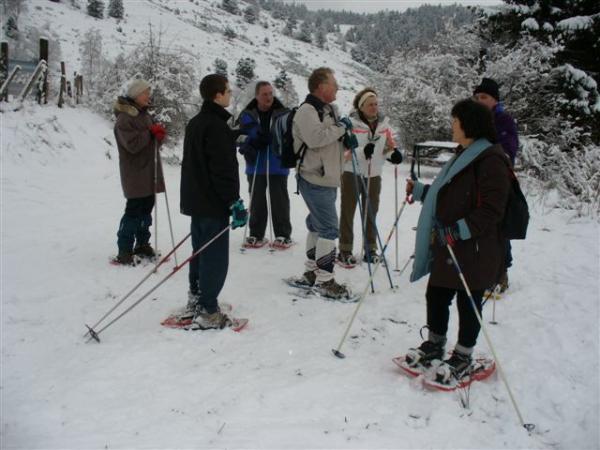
208 270
135 223
320 200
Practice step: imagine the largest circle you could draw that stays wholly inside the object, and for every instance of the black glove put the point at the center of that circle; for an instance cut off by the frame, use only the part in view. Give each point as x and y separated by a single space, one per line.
249 152
395 157
369 150
262 140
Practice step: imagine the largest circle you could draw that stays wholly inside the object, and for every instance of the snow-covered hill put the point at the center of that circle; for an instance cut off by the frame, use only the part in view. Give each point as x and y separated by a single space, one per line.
195 29
276 384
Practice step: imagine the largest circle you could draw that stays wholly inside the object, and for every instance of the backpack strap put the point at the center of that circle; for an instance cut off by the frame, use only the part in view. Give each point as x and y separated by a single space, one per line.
304 147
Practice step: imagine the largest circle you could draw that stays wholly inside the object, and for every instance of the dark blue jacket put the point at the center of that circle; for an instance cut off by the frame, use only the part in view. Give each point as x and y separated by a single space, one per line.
506 130
249 121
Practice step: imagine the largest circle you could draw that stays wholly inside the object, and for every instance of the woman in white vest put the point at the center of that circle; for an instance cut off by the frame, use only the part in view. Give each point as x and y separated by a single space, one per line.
375 145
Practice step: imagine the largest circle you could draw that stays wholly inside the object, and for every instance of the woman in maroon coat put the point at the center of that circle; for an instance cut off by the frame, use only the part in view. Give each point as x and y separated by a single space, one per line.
137 140
463 208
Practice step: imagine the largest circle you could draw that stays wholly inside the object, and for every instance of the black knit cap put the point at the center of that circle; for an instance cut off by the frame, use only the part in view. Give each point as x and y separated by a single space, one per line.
490 87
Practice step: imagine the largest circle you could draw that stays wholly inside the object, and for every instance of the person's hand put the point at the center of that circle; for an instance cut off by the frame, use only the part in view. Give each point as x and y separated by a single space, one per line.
159 131
239 214
410 185
250 153
346 123
448 235
369 150
262 140
395 157
347 155
350 142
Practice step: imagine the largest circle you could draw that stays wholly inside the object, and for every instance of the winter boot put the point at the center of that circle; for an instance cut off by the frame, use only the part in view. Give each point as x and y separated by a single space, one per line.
346 258
332 289
208 321
254 242
425 354
453 368
125 258
308 279
144 251
282 243
372 257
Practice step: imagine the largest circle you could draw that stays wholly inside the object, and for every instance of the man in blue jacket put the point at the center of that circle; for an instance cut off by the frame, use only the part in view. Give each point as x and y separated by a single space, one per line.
264 170
488 94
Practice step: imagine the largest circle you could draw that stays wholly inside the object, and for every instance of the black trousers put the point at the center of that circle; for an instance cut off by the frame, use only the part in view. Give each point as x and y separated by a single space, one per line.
438 313
135 223
280 206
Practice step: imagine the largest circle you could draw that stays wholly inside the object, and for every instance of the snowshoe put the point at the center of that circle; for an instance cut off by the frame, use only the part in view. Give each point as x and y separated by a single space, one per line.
254 242
346 260
459 372
282 243
419 360
125 259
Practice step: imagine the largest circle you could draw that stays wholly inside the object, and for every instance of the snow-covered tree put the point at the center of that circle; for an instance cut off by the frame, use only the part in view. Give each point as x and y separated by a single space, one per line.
220 66
321 37
95 8
231 6
116 9
90 50
10 28
305 33
244 72
251 14
229 33
285 89
290 27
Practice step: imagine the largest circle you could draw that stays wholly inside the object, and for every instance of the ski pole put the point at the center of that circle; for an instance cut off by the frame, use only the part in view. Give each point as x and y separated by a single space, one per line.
396 210
366 217
242 248
527 426
165 258
94 334
337 351
360 208
155 198
269 209
372 218
401 271
168 210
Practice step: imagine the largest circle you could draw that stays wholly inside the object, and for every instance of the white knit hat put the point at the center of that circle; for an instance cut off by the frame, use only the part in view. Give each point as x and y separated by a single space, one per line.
136 87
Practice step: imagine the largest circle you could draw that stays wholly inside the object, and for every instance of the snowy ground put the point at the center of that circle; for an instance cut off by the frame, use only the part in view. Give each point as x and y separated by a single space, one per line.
276 384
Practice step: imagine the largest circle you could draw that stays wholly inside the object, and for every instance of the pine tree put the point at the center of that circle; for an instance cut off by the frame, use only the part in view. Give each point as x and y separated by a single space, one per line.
244 72
95 8
305 34
290 26
229 32
231 6
285 89
220 66
11 27
115 9
321 37
251 14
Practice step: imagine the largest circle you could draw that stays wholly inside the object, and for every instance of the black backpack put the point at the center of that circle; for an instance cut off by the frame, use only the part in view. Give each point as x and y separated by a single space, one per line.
516 215
283 139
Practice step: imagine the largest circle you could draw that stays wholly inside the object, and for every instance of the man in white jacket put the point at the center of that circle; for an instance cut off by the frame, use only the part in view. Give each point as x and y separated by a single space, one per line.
316 126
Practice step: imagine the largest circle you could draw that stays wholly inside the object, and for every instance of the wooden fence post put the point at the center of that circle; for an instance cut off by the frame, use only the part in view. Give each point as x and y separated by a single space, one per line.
44 56
4 67
63 84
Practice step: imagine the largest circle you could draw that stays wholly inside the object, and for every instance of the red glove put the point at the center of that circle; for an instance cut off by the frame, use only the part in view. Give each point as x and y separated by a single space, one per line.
159 131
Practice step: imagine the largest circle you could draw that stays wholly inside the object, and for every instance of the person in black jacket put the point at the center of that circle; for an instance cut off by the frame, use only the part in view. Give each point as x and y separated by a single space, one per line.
210 193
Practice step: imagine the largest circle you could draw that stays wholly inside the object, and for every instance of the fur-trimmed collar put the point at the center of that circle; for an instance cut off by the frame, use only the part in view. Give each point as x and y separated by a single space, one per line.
127 106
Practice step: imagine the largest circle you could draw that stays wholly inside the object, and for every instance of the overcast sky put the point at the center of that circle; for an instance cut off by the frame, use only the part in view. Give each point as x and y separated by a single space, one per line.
379 5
